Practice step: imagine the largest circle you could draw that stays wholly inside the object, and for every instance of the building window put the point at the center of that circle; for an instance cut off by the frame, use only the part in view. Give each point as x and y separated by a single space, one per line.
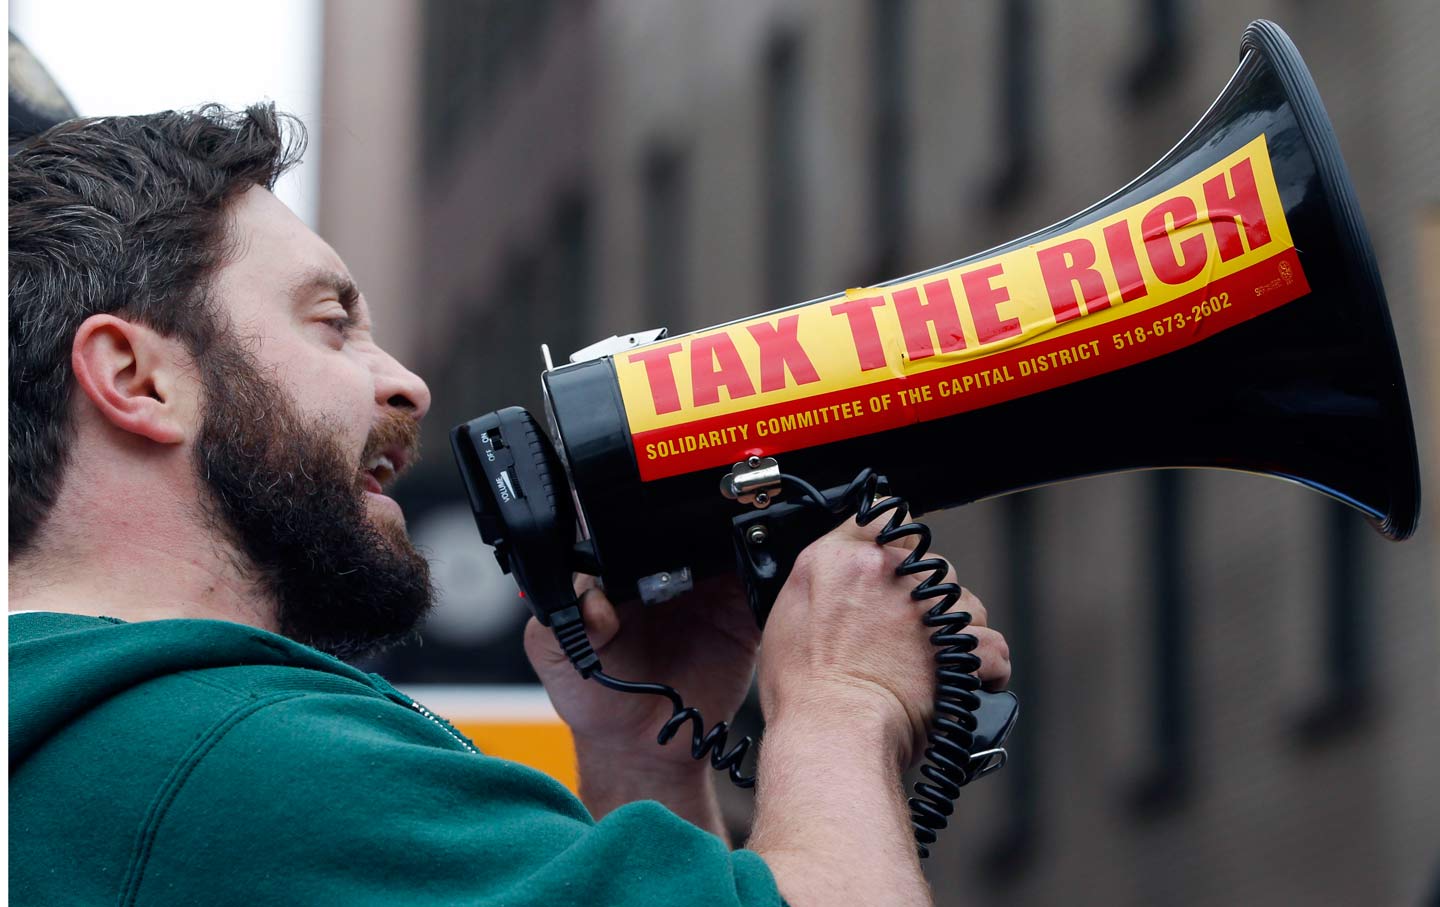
1015 105
566 299
667 240
783 174
1013 850
1166 784
890 139
1345 636
1157 67
471 48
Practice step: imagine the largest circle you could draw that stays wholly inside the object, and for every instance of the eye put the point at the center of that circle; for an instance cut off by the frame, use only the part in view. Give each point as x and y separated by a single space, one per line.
338 327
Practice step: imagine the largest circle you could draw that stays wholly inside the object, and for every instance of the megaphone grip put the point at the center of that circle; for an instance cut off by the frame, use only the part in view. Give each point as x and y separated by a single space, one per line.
966 740
959 750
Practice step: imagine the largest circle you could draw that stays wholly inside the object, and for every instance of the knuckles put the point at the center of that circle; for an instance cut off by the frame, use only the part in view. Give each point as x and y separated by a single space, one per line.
851 558
979 616
994 653
992 644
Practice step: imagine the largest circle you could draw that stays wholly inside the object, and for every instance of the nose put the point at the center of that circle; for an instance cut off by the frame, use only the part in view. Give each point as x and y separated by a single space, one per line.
399 388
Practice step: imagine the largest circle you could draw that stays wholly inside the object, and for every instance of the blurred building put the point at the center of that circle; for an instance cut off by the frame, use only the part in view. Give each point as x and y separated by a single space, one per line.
1230 686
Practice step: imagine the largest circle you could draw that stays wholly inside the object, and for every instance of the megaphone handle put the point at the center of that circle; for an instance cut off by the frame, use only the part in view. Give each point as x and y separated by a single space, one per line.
970 726
968 732
994 720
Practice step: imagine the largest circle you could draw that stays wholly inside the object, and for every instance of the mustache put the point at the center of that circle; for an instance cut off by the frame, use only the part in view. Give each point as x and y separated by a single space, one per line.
394 432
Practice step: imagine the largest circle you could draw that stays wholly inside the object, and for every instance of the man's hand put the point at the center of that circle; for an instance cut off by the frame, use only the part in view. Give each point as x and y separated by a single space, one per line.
829 644
702 644
847 683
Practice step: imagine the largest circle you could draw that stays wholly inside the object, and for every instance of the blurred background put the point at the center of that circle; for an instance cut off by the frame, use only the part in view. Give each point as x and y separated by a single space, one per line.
1230 686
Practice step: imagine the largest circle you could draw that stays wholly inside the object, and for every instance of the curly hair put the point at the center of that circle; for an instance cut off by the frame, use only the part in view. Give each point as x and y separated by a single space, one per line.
126 216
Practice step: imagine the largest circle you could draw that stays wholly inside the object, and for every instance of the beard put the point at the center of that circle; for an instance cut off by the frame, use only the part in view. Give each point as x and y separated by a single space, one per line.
284 492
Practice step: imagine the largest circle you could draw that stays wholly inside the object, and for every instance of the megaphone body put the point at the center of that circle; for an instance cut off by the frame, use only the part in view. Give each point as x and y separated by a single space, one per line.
1223 310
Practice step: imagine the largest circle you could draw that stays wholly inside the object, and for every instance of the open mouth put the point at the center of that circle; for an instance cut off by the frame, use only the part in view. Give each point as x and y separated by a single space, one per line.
380 470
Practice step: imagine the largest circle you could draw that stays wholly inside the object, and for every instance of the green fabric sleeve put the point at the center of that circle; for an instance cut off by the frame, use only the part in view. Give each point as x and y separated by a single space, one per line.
334 799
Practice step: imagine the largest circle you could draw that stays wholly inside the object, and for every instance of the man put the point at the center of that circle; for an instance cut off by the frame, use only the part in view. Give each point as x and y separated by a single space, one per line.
202 427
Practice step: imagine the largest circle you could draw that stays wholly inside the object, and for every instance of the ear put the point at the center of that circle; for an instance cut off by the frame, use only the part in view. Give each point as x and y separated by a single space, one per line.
134 377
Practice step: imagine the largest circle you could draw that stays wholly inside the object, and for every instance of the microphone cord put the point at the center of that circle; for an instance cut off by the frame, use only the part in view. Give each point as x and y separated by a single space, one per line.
948 757
570 632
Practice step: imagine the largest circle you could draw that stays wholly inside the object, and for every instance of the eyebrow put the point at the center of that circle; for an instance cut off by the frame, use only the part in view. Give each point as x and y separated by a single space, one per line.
321 279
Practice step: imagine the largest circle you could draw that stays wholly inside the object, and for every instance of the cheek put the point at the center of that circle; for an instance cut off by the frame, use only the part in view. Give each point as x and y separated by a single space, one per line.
331 386
345 394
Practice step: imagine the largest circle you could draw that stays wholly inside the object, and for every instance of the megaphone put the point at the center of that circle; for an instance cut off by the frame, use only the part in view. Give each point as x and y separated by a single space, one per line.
1223 310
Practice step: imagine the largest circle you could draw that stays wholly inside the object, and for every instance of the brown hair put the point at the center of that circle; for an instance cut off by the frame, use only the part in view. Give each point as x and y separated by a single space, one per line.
122 215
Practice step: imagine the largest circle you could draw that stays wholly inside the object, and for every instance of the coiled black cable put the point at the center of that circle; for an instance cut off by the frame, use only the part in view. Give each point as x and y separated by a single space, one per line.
951 738
570 632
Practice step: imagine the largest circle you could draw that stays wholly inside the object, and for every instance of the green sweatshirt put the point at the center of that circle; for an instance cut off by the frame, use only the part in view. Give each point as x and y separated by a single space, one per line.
203 762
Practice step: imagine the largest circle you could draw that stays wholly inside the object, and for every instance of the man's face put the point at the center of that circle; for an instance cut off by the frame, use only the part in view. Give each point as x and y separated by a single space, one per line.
305 420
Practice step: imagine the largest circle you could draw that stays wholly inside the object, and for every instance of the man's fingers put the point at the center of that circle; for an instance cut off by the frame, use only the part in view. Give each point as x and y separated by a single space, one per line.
583 582
994 655
979 617
904 542
870 530
598 614
968 601
852 529
540 645
601 620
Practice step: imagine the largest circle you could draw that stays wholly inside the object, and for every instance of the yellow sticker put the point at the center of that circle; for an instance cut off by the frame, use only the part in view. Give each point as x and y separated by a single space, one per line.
1204 255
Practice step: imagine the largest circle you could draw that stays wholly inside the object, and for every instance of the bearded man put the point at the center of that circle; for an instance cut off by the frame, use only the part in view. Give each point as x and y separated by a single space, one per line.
202 429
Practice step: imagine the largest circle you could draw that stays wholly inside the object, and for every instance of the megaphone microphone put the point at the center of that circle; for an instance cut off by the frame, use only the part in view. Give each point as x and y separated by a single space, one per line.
1223 310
